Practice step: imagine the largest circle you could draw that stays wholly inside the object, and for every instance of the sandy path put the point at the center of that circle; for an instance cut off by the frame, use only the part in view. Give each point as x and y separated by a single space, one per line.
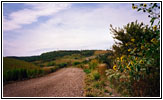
66 82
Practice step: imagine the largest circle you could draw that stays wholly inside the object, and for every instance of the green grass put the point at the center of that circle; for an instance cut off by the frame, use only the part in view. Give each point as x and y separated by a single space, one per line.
51 64
10 63
76 63
87 71
96 76
94 84
14 69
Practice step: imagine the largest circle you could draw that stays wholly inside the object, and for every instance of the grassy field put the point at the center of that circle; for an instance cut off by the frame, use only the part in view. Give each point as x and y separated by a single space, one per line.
14 69
17 68
101 79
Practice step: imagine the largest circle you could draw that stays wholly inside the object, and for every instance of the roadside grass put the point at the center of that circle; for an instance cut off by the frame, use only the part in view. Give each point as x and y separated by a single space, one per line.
14 69
96 82
94 87
98 88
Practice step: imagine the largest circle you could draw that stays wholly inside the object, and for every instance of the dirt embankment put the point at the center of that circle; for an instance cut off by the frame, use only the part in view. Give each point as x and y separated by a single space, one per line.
66 82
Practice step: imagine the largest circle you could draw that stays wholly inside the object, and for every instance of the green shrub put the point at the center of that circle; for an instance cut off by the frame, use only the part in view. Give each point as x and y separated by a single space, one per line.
75 58
62 65
53 69
106 58
93 64
76 63
87 71
90 94
96 76
137 54
96 85
85 61
80 66
107 91
51 64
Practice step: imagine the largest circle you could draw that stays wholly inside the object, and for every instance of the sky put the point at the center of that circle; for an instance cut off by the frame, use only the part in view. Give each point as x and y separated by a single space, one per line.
34 28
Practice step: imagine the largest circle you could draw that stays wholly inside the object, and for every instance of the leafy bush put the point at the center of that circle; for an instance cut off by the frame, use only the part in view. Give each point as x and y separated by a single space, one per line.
51 64
96 85
87 71
93 64
85 61
52 69
76 63
137 54
62 65
96 76
106 58
90 94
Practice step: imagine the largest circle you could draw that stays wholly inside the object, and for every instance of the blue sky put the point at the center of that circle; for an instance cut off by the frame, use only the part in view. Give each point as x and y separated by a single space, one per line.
34 28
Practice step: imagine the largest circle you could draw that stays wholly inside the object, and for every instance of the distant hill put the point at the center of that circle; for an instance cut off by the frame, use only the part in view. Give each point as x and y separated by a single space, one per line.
49 56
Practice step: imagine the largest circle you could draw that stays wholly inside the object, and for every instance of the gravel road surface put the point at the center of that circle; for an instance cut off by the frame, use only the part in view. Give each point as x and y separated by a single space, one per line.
66 82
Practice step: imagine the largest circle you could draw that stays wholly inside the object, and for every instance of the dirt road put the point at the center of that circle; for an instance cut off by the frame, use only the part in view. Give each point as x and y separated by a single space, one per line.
66 82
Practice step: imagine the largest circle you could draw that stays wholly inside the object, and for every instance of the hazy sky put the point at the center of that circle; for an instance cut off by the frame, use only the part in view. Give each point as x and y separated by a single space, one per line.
34 28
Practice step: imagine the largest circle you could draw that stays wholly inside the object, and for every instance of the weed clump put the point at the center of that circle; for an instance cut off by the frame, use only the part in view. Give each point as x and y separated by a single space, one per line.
87 71
96 76
76 63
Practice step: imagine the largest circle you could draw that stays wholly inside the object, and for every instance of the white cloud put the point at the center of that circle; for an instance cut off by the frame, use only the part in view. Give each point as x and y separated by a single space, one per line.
28 16
74 29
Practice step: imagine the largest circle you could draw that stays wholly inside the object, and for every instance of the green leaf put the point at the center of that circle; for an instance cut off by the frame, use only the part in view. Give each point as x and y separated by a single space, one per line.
139 9
158 22
136 68
131 73
154 5
141 4
143 41
152 20
148 62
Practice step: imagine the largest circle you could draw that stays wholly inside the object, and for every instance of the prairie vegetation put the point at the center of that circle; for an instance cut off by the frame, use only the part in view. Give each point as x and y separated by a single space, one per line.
14 69
130 69
20 68
136 61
